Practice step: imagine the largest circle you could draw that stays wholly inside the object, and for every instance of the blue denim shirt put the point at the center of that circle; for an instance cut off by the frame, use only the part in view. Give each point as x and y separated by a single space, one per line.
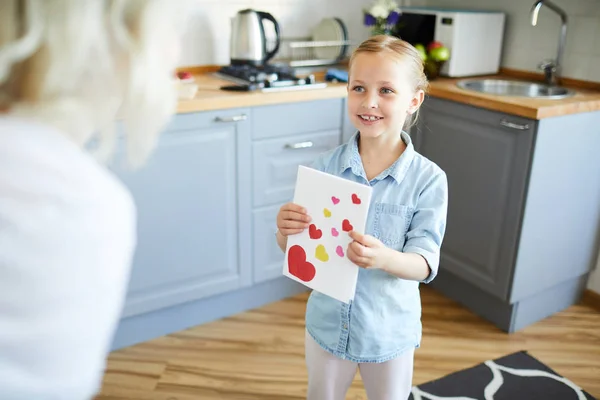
407 213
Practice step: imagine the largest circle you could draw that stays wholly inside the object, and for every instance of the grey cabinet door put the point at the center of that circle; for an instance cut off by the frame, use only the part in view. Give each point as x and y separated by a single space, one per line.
187 199
486 156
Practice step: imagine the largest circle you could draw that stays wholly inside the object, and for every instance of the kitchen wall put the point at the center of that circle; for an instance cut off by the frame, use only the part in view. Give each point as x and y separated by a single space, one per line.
525 46
207 37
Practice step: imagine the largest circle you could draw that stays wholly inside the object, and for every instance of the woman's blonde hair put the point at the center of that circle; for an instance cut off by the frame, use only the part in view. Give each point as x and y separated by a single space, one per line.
79 65
403 52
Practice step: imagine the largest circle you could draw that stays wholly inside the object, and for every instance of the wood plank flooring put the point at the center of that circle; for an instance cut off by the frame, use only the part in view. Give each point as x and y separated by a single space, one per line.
259 354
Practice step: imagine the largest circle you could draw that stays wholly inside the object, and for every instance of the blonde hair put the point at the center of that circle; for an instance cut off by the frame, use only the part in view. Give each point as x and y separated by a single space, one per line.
79 65
403 52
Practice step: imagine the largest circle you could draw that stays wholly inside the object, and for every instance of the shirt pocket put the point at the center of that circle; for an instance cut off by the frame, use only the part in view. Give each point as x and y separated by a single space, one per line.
391 223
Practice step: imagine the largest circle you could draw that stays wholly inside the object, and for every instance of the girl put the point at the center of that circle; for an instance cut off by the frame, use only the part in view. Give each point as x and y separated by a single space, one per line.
377 332
67 225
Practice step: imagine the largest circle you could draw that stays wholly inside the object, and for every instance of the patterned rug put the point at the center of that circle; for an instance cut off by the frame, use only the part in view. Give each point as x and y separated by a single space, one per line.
517 376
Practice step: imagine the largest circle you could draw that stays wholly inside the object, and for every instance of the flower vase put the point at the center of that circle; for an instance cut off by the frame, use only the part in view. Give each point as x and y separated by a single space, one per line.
380 31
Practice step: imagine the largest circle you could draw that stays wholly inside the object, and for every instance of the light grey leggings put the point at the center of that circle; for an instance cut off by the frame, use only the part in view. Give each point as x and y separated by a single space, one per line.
329 377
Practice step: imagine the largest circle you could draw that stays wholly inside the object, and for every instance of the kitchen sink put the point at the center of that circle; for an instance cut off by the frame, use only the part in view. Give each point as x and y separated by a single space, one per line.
515 88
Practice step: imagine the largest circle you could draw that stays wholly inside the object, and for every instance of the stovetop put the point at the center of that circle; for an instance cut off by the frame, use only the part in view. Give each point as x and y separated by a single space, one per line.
266 77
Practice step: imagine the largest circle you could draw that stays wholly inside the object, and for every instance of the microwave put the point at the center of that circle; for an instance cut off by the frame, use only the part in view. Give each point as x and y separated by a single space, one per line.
474 37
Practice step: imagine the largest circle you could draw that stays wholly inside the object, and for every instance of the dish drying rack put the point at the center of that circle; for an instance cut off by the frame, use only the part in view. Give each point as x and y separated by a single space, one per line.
302 52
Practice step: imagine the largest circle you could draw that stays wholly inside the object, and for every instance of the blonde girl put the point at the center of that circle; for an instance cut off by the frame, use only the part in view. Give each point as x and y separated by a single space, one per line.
379 330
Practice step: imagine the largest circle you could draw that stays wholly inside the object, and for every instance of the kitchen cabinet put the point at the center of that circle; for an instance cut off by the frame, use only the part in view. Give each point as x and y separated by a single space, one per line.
277 151
524 208
207 203
190 233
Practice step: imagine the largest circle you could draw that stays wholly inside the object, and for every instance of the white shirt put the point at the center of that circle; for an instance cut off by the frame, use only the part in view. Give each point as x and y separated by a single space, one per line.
67 236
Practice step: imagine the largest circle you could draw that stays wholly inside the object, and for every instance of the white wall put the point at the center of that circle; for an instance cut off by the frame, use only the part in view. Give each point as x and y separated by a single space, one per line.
207 37
206 41
525 46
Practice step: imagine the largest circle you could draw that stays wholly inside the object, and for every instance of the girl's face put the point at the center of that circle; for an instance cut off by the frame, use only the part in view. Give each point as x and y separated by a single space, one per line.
380 94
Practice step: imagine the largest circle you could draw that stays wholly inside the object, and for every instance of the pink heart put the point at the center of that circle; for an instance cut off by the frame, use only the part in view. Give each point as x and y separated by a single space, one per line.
339 251
335 199
334 232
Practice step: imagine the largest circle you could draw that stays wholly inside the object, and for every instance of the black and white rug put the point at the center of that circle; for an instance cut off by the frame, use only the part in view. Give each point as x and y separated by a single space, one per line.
517 376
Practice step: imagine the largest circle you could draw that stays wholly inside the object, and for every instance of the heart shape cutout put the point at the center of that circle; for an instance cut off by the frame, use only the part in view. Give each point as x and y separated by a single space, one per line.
346 226
326 213
355 199
298 266
313 232
335 200
339 251
334 232
321 253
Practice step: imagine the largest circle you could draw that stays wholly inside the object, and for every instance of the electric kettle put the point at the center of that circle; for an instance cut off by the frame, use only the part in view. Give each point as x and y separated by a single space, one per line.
248 40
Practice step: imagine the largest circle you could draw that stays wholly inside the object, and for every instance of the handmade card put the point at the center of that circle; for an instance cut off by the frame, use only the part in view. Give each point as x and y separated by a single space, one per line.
317 256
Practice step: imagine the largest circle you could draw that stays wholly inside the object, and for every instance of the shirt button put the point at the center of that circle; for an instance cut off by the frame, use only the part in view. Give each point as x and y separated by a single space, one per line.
345 326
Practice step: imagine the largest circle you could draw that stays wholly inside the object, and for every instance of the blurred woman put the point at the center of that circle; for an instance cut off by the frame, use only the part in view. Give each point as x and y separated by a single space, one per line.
68 70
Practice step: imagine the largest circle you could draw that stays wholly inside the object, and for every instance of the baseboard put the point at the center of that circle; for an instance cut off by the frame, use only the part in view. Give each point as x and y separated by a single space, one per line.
591 299
144 327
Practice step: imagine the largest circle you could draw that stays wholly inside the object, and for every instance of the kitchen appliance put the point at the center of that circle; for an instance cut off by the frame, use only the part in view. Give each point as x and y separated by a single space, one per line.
248 43
266 78
474 37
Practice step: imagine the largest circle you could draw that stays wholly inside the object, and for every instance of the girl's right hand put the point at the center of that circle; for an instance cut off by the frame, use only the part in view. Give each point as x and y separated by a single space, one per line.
292 219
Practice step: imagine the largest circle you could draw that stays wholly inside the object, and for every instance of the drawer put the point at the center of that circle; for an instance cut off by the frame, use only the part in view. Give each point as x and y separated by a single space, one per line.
276 161
295 118
267 256
207 119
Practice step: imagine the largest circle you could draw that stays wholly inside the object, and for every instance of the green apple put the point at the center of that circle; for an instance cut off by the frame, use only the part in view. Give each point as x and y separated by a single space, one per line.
439 54
421 49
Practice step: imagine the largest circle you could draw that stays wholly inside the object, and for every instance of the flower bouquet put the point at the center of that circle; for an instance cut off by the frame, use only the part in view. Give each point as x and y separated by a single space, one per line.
382 16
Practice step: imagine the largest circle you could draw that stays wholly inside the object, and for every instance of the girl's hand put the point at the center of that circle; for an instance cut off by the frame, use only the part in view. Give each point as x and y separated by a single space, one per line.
366 251
292 219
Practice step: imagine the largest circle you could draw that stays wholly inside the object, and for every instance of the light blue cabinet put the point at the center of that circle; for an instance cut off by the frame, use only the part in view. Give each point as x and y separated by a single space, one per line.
207 203
190 234
285 137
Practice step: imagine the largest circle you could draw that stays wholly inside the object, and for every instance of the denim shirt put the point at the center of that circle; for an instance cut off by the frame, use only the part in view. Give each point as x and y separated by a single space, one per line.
407 213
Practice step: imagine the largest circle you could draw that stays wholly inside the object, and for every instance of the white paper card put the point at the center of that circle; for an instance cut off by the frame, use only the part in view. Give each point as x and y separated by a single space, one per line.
317 256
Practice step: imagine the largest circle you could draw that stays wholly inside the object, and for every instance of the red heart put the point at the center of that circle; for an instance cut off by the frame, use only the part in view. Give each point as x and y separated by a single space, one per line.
346 227
355 199
298 266
313 232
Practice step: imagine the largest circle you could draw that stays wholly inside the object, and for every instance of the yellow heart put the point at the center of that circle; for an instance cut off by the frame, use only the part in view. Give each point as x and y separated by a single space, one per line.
327 213
321 253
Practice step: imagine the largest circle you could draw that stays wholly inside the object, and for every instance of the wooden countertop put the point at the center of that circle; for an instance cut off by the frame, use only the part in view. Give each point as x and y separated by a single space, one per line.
586 99
210 97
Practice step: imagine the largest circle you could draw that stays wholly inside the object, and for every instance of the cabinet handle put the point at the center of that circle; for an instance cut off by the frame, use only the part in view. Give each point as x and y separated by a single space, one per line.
300 145
512 125
235 118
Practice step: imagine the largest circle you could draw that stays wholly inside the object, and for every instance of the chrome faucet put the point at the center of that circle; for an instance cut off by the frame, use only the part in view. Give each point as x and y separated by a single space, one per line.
552 68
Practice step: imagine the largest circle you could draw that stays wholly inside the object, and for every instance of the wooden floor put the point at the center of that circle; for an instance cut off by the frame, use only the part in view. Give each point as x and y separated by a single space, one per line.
260 354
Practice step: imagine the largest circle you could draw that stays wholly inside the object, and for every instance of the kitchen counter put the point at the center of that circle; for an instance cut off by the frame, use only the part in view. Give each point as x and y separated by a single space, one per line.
210 97
584 100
